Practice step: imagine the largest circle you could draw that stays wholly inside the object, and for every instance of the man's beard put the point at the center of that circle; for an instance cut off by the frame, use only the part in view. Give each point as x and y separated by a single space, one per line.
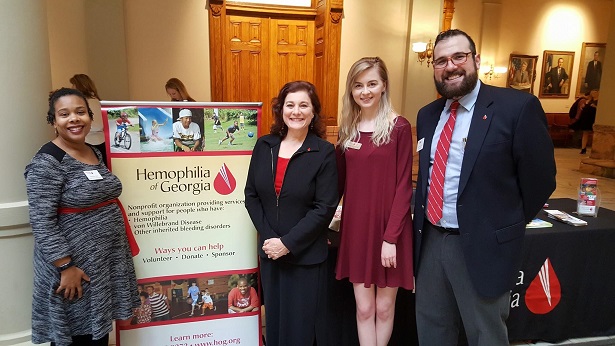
469 82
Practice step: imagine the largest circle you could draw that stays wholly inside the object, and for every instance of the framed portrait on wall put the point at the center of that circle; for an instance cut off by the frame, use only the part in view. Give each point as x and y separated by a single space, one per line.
556 74
590 67
522 72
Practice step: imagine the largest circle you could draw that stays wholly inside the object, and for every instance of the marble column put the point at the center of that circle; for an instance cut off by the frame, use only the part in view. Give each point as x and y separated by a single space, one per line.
602 159
602 155
26 80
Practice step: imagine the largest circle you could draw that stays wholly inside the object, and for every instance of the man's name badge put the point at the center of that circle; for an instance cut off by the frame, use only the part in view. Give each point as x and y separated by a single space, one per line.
354 145
419 144
93 175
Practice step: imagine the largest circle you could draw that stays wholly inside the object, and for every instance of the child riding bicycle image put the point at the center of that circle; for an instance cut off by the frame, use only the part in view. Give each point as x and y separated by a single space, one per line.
122 124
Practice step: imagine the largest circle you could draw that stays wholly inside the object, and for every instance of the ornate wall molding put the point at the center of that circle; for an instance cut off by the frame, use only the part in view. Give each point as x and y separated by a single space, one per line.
216 10
335 17
448 10
216 7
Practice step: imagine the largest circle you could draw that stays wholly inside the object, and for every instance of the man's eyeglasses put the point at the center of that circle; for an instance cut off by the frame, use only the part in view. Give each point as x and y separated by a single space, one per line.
457 59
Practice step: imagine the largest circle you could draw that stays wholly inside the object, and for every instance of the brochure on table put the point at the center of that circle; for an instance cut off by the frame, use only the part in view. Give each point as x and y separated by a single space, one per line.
588 201
565 217
539 223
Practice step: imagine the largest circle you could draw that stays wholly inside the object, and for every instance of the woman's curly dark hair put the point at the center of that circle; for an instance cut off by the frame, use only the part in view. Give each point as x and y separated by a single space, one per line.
317 126
56 94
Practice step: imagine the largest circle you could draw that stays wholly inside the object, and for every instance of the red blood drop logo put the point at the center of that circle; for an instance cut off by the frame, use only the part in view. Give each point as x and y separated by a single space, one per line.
544 292
225 181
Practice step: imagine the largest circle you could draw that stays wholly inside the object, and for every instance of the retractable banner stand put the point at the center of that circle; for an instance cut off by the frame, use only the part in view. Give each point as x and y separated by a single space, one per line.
183 167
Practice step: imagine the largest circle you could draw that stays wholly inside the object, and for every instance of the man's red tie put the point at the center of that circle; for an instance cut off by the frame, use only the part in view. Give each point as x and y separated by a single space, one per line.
435 198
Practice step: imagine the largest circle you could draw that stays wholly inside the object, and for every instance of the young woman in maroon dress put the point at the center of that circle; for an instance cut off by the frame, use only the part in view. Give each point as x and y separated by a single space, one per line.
375 178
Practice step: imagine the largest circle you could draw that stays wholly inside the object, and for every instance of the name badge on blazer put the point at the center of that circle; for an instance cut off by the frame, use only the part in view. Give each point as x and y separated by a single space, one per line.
354 145
419 144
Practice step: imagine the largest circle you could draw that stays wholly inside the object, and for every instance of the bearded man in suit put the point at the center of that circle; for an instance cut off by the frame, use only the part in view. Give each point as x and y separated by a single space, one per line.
470 215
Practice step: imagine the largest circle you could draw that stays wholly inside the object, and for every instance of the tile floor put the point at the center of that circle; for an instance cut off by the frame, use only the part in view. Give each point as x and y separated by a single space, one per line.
569 177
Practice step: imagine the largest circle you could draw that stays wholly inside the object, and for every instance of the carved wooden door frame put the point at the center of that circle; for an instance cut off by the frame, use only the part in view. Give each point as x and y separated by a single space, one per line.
326 17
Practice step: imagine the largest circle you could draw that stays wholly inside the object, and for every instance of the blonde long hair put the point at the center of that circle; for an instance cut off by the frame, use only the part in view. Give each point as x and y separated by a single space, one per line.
351 111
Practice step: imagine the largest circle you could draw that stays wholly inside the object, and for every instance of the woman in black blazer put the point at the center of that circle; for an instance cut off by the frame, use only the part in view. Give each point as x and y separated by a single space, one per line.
291 195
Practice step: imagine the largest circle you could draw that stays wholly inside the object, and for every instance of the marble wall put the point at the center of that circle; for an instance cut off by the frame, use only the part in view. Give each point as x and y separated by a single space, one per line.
602 158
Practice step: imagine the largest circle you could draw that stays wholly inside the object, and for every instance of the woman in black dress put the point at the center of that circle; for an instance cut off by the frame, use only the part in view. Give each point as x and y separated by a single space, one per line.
585 118
291 195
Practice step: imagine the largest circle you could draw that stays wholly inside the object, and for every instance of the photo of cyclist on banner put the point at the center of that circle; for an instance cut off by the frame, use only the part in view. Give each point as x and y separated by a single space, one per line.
124 130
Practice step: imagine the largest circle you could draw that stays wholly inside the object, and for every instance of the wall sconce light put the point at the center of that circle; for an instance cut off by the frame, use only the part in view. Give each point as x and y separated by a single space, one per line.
490 74
495 72
424 51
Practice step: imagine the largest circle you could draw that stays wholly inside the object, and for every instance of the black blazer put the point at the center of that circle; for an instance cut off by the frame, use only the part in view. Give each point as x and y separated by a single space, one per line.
307 201
554 79
507 174
593 75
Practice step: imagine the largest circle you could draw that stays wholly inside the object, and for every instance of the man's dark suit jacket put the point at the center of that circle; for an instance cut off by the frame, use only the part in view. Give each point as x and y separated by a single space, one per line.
593 75
507 174
554 79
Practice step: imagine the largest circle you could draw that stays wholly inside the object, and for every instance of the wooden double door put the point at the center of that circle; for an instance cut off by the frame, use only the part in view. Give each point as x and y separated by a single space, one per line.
254 52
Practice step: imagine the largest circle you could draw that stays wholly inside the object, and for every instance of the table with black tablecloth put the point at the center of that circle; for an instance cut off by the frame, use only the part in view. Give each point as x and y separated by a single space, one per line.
565 288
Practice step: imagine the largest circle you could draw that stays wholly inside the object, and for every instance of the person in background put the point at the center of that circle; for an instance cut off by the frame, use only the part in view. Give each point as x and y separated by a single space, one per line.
160 305
96 137
556 78
81 251
243 298
143 313
242 122
217 124
486 168
575 113
374 159
593 73
522 75
121 123
291 195
230 133
186 134
585 117
577 106
177 90
206 302
156 129
193 293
